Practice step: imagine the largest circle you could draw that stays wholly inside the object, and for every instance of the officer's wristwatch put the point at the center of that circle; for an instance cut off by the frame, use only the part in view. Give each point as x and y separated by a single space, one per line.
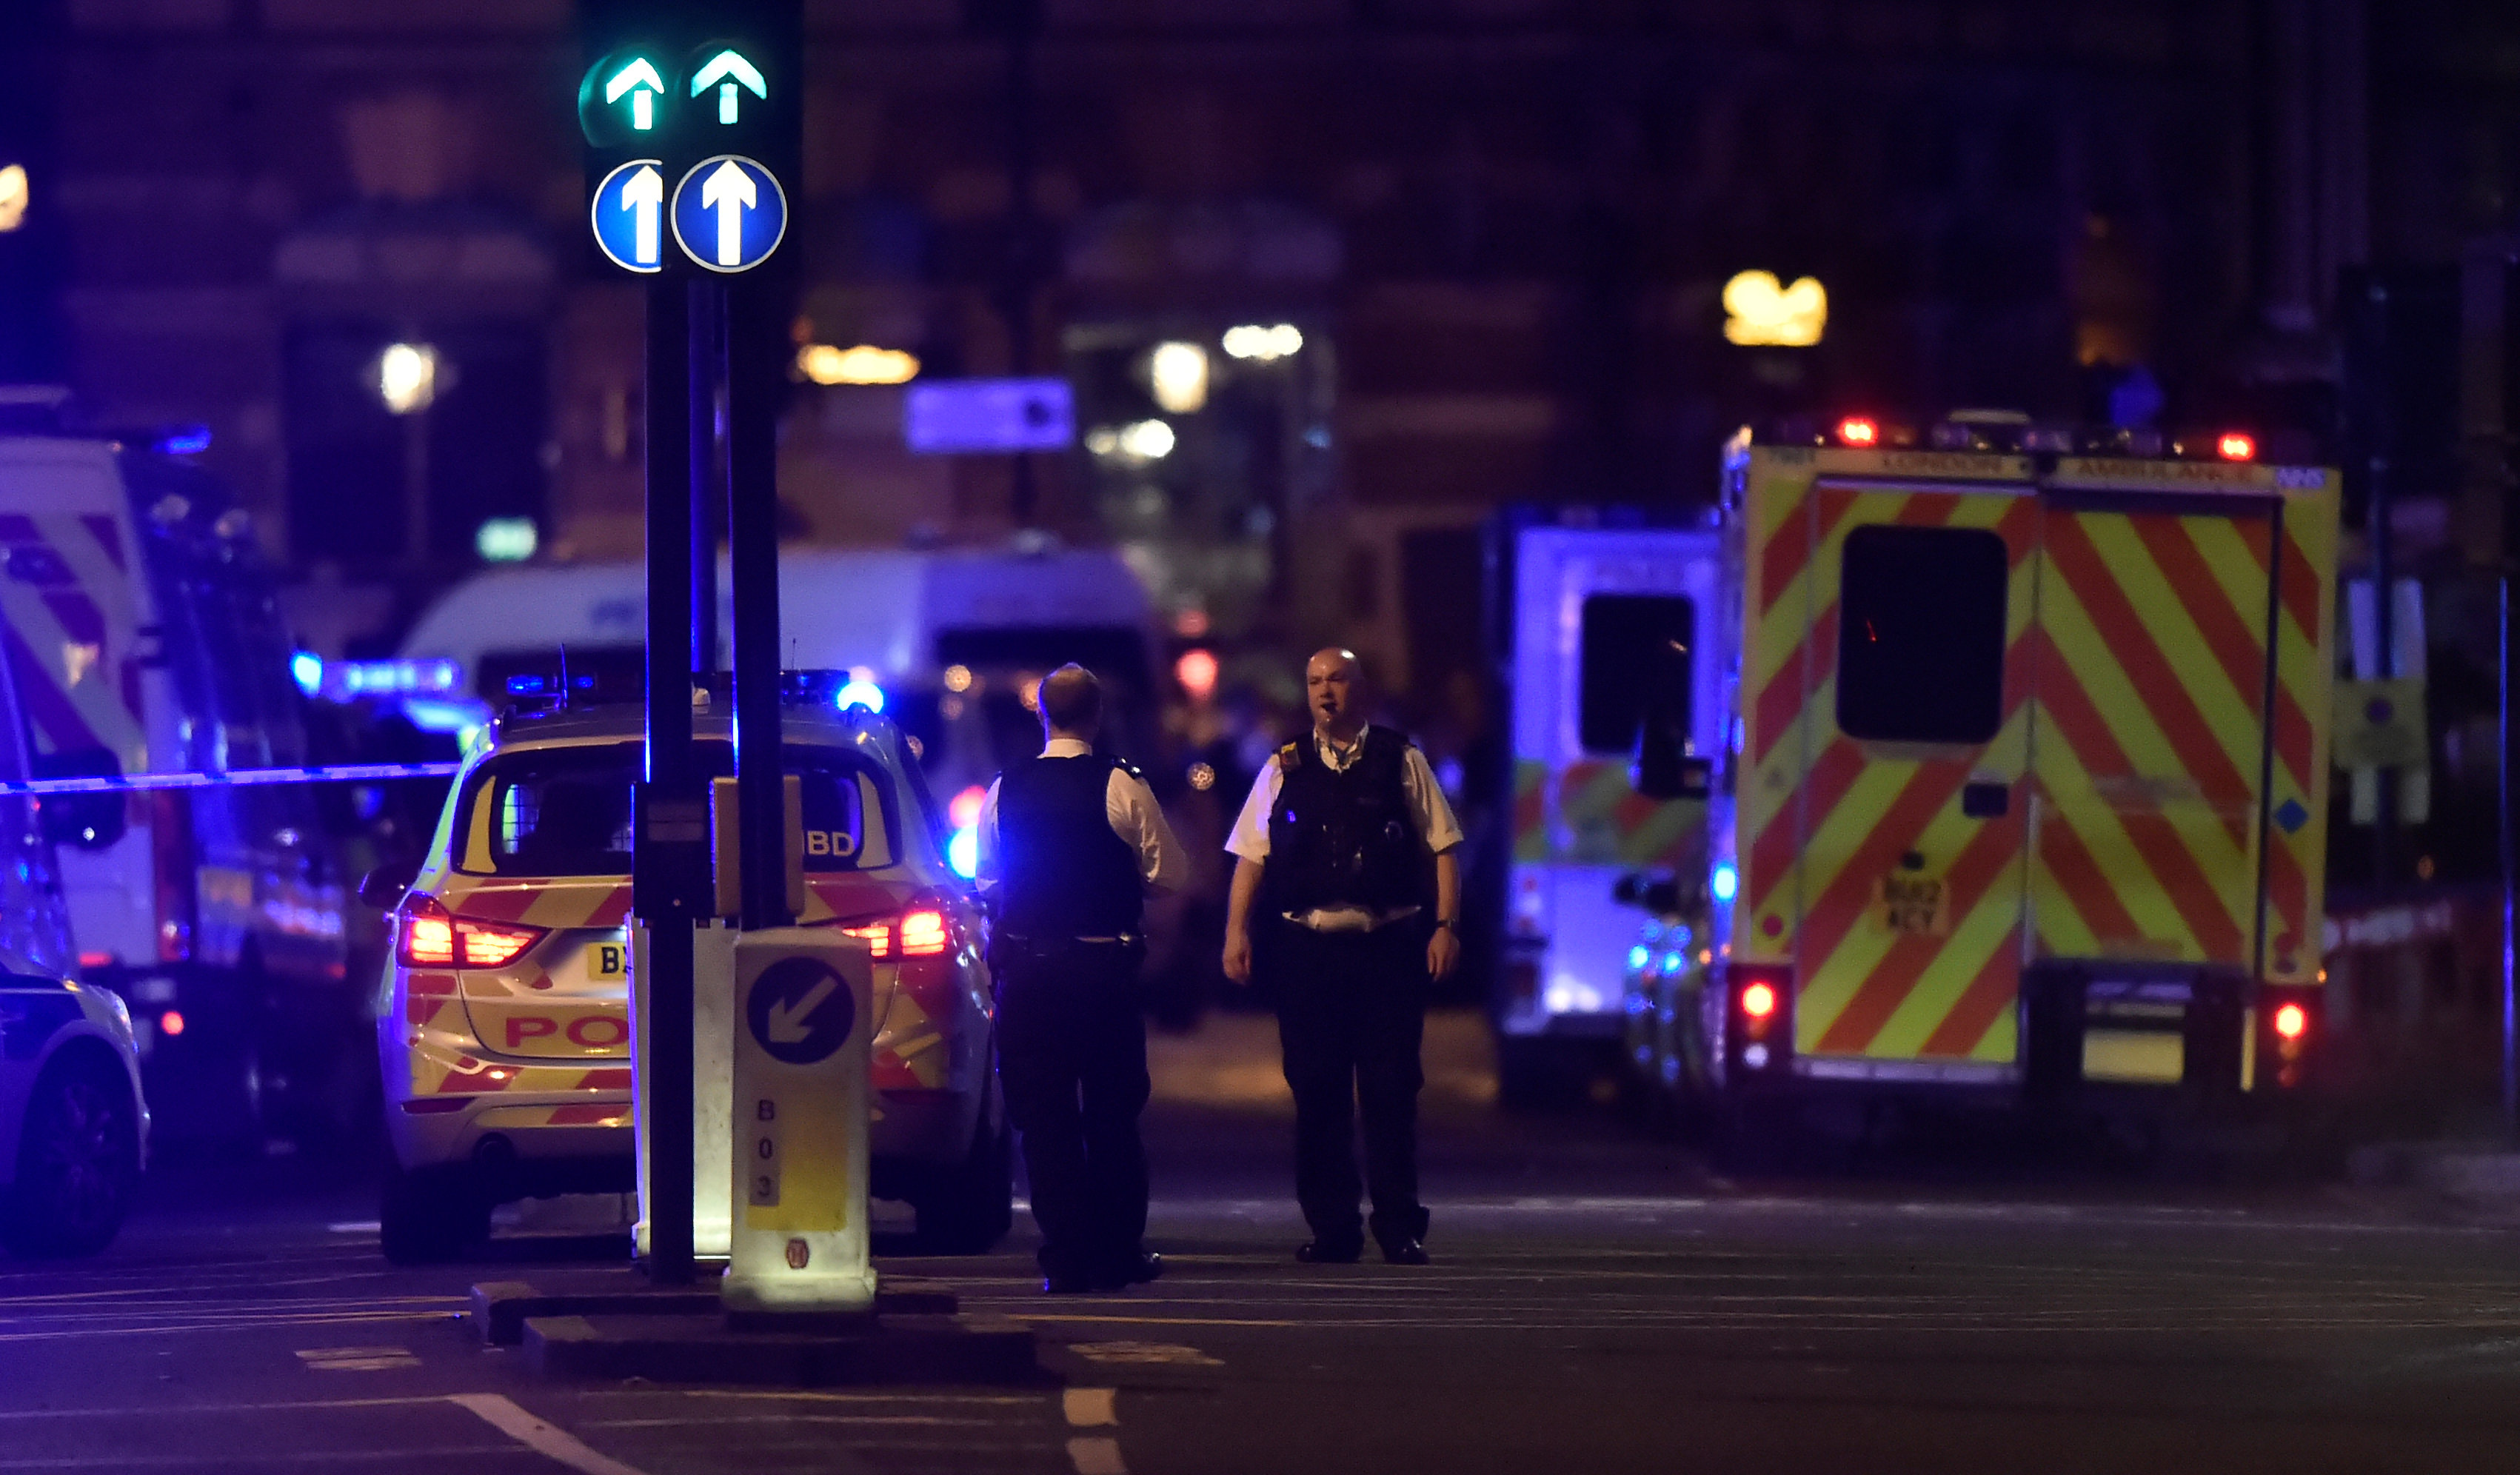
1449 924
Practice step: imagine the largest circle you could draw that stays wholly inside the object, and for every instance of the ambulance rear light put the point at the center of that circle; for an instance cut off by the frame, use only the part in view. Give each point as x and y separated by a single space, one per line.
2291 1021
1758 1000
429 936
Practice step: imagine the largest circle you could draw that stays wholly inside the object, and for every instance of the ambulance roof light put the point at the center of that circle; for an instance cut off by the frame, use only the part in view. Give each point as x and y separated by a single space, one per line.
1859 432
2236 445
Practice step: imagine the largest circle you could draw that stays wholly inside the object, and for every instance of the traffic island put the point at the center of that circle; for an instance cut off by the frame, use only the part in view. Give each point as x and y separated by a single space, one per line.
501 1308
884 1346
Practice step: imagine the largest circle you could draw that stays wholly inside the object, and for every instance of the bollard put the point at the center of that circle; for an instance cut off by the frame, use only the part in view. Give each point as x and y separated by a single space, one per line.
712 1085
803 1023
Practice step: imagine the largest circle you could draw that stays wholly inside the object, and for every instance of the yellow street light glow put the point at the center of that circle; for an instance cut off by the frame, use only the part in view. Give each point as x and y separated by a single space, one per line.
1256 341
407 378
12 197
865 364
1178 374
1760 313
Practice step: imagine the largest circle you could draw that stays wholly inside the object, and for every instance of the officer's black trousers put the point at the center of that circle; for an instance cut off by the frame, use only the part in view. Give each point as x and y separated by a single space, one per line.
1072 1059
1351 1013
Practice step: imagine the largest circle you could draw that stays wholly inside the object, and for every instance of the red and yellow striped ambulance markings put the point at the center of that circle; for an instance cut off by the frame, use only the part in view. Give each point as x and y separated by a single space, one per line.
2152 745
1866 990
1585 813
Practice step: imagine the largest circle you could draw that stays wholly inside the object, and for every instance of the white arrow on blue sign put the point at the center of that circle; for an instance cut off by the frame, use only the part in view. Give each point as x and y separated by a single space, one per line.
729 213
629 215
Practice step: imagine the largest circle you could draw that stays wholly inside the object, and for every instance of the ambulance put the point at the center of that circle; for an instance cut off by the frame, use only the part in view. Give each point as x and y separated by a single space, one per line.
144 637
2023 783
1609 619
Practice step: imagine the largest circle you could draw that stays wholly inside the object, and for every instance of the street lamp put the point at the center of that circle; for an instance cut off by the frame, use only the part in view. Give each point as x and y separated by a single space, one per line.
408 381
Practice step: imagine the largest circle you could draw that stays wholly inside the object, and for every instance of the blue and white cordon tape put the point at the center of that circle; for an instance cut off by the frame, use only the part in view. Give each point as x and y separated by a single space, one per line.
344 773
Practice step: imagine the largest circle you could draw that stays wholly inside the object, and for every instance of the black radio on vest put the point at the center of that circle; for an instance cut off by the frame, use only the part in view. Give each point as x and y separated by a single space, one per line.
1066 874
1345 837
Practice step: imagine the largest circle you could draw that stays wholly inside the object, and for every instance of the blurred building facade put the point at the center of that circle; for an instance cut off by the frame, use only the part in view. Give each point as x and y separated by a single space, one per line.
1479 244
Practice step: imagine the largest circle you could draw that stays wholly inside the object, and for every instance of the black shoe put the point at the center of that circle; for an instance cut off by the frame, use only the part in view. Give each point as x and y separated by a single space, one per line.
1067 1283
1137 1271
1407 1252
1315 1252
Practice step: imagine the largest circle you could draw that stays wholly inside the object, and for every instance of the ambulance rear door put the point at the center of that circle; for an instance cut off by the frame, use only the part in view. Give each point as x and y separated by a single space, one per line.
1608 622
75 607
1904 836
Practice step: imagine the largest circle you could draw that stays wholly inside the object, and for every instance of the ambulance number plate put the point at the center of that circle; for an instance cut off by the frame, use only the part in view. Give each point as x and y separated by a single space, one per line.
607 961
1913 905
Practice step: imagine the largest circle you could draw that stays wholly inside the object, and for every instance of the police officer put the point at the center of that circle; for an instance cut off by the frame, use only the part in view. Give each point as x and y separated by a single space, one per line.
1331 859
1070 845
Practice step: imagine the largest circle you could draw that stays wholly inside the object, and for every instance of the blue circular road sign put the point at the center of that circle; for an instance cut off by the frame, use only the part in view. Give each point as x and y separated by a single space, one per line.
629 215
800 1010
729 213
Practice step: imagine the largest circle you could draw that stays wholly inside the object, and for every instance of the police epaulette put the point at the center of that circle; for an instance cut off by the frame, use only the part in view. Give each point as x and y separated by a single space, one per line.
1131 769
1289 756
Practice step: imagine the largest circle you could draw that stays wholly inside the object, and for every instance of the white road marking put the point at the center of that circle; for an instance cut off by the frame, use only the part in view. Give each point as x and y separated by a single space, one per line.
1143 1354
227 1458
193 1410
1095 1456
356 1358
855 1419
1090 1407
354 1227
546 1439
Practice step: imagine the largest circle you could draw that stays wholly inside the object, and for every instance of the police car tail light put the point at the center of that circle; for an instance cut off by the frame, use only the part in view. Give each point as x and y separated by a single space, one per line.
922 933
429 936
425 934
483 945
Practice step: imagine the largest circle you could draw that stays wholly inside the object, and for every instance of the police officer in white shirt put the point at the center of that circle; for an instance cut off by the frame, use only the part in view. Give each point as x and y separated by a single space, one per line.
1070 845
1346 854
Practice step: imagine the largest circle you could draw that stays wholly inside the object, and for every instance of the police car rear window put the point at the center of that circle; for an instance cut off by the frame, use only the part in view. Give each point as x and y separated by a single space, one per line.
1920 635
566 811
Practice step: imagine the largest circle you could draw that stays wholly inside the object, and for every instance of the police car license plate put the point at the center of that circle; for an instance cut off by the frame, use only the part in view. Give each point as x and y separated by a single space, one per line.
1915 905
608 962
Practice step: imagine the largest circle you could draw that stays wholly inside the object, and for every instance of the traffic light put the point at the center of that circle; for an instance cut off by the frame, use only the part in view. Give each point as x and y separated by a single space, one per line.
694 121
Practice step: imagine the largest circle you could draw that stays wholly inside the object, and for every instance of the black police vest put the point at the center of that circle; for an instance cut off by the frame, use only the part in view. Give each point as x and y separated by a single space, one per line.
1064 873
1345 838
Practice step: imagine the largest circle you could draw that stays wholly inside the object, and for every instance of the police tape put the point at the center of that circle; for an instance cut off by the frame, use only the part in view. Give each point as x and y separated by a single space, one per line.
344 772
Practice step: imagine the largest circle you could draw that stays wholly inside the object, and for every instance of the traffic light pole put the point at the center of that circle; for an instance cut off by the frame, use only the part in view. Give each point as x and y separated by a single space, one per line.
669 808
752 540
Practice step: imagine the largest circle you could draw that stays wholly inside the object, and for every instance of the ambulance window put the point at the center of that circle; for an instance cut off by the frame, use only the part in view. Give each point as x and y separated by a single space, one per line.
1920 635
1634 663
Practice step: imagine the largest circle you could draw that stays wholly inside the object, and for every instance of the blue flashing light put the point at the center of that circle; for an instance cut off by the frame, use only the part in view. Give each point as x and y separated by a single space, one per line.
530 684
1724 882
1673 962
962 852
1639 956
184 440
306 668
861 693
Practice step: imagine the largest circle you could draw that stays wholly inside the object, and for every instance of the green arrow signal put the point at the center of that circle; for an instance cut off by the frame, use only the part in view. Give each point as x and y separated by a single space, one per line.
728 69
641 81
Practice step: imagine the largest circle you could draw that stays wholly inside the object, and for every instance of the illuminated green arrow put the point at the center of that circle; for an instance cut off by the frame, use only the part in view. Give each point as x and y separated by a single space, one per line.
726 70
641 81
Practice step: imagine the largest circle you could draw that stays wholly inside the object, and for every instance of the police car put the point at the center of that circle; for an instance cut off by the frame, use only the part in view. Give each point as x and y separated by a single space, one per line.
504 1030
72 1122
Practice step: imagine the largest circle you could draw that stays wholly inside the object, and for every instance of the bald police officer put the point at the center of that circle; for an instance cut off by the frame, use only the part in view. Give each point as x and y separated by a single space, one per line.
1070 844
1331 860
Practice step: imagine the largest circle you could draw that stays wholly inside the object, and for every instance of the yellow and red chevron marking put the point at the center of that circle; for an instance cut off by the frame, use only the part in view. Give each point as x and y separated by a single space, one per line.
539 903
1855 815
72 626
2305 674
2151 694
1586 813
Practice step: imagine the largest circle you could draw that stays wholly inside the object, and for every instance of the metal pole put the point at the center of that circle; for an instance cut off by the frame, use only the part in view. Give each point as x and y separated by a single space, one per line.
708 462
753 538
2510 999
1023 17
673 783
2378 440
